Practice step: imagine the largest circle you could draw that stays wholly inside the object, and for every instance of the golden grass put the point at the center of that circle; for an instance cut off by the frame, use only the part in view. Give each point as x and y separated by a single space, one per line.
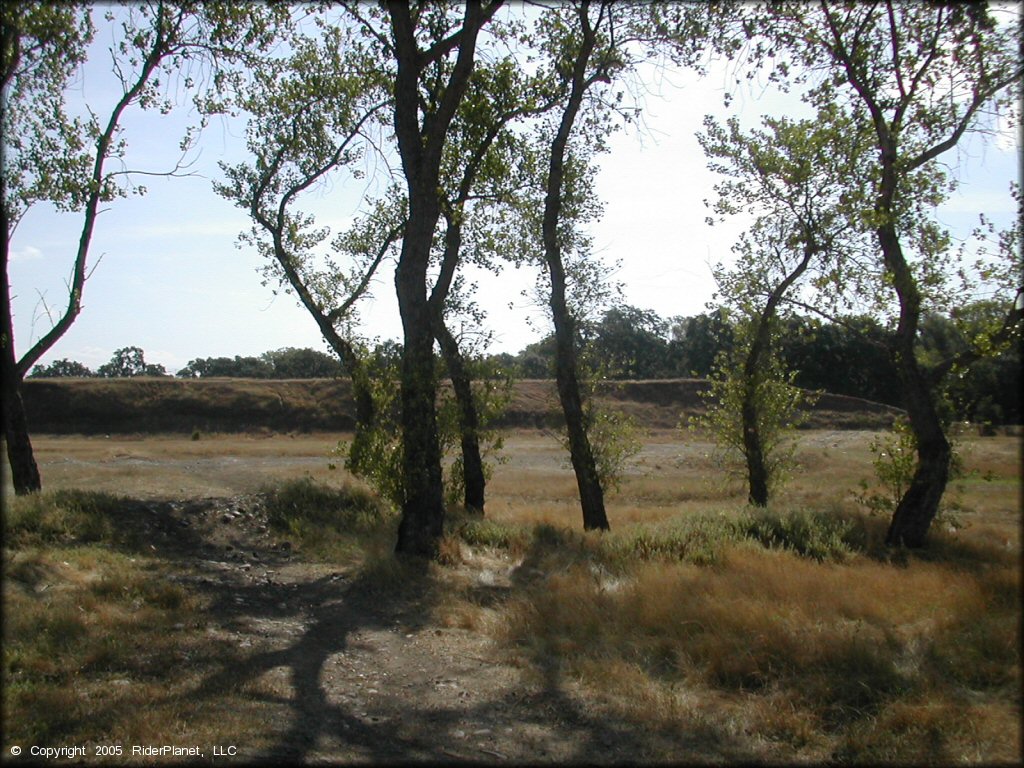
98 644
869 657
812 657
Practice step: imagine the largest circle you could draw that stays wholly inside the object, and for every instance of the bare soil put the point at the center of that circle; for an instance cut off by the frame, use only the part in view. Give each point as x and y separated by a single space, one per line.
365 675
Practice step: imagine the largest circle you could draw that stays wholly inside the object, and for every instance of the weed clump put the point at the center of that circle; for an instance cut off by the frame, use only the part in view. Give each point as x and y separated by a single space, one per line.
488 533
820 536
303 506
698 539
328 522
62 516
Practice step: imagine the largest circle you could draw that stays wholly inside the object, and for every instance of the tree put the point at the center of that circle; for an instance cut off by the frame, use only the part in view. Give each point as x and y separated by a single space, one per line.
129 362
988 390
579 69
918 77
63 368
847 356
537 360
479 172
237 367
51 156
421 42
589 44
632 343
789 175
306 363
698 340
309 114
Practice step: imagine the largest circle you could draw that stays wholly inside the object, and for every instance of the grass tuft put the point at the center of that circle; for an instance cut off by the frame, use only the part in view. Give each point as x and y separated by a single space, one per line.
60 516
820 536
328 523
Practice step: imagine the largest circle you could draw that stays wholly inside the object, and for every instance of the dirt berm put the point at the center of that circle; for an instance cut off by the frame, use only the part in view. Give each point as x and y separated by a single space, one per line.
143 405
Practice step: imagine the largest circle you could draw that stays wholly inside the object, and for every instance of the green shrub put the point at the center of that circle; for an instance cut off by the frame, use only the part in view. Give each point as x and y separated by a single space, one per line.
695 540
817 535
60 516
487 533
303 506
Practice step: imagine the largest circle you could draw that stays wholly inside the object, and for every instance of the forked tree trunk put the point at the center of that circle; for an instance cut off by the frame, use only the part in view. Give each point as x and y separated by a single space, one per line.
421 140
422 524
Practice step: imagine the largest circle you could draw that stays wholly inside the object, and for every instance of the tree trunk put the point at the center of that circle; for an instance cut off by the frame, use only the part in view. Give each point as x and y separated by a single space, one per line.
753 445
920 504
24 471
421 145
365 416
757 472
469 422
422 522
580 451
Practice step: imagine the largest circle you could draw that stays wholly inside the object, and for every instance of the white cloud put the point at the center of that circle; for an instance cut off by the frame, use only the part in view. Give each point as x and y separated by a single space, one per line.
26 253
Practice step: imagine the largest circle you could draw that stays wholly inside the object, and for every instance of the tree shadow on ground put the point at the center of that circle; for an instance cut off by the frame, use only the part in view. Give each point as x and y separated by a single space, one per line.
332 610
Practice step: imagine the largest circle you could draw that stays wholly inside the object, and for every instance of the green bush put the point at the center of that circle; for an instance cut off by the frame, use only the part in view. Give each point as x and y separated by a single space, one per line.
487 533
817 535
695 540
60 516
302 507
699 539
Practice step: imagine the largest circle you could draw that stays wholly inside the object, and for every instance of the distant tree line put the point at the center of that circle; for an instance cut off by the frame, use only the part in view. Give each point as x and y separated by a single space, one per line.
286 363
125 362
846 358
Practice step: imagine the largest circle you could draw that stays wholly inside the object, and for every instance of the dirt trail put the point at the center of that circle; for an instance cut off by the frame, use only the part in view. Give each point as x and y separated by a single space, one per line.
367 678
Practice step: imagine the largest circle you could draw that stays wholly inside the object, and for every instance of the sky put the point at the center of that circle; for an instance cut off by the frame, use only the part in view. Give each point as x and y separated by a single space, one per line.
168 276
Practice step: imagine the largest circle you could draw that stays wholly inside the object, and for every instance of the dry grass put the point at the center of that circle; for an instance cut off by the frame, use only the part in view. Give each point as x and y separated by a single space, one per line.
100 647
869 657
817 660
682 621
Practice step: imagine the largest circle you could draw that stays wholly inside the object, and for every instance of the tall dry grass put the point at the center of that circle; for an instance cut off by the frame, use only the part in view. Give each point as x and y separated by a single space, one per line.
794 632
791 635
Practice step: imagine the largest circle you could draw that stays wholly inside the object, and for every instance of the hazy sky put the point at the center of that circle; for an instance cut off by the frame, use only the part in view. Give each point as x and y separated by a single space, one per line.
169 278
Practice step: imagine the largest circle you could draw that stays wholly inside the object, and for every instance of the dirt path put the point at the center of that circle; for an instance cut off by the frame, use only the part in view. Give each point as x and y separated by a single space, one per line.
371 678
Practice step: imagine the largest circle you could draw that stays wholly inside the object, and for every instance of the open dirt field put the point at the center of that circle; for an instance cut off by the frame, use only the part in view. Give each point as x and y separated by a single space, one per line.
320 664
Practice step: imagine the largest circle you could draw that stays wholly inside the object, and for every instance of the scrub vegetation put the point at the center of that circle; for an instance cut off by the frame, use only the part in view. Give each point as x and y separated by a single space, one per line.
716 629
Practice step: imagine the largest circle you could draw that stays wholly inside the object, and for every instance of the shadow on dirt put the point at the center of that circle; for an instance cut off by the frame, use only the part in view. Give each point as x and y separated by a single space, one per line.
224 554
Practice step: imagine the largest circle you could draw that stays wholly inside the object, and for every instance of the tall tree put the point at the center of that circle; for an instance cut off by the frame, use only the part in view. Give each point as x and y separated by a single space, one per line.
312 114
428 43
632 343
920 77
129 362
53 156
479 172
580 69
794 176
589 44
